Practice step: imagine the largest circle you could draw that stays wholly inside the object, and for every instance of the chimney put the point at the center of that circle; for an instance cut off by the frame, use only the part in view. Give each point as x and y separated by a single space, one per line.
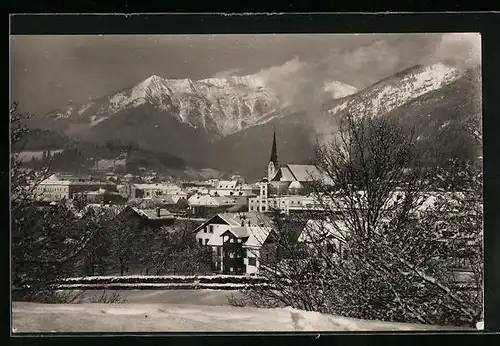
158 212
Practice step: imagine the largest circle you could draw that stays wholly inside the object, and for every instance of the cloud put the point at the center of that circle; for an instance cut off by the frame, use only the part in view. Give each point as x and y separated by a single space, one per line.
300 86
459 49
380 55
294 82
227 73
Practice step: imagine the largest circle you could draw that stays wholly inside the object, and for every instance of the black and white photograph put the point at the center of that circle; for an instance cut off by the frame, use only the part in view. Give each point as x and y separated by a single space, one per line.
246 183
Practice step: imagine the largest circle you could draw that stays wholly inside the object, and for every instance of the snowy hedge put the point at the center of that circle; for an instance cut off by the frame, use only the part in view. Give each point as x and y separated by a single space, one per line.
153 286
163 282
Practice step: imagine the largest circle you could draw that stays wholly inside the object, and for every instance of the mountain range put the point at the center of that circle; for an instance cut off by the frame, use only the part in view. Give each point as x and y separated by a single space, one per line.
227 123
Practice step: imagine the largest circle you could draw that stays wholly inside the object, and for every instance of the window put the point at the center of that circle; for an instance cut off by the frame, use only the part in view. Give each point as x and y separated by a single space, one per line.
205 230
200 241
231 269
263 208
251 208
252 261
239 240
206 241
231 240
211 229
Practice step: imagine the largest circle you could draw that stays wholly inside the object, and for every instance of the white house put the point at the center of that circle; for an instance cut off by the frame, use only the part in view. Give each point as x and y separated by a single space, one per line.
242 248
256 225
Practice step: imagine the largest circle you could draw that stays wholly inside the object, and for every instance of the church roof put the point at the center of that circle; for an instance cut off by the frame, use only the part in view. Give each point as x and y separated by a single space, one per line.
305 172
283 174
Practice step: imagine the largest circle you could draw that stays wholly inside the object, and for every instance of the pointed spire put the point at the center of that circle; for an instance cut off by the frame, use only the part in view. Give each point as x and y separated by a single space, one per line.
274 150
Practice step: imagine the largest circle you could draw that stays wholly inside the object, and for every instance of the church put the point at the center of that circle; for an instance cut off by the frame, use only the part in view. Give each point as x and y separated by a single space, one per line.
290 178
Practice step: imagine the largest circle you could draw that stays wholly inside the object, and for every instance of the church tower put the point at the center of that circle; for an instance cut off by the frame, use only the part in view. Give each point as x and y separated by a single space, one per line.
273 165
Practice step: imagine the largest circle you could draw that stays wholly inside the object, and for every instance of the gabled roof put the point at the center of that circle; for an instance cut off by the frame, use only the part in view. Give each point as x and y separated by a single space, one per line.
164 199
216 219
151 214
235 219
305 172
239 232
283 174
255 235
207 200
227 184
216 239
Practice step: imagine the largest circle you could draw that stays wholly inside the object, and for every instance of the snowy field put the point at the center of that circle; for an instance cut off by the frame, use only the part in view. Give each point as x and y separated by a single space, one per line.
130 317
193 297
182 311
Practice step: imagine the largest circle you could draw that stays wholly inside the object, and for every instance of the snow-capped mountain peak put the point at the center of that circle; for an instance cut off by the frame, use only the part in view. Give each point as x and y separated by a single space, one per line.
338 89
395 91
224 106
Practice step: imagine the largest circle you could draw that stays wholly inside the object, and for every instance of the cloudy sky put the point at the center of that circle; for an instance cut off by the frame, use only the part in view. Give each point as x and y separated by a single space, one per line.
47 72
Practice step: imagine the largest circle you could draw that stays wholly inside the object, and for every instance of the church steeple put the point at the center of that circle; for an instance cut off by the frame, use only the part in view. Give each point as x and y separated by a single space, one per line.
273 165
274 150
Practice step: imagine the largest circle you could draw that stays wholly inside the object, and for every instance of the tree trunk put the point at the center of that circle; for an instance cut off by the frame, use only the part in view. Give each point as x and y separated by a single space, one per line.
121 267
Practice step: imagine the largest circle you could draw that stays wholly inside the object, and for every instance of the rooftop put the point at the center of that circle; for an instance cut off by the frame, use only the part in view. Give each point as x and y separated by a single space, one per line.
152 213
256 236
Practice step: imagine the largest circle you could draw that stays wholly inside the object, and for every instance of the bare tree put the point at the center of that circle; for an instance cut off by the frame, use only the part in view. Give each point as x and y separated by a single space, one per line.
46 243
181 254
125 234
376 251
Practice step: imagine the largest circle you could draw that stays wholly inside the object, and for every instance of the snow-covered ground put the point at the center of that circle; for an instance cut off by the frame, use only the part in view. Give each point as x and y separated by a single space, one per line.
130 317
183 296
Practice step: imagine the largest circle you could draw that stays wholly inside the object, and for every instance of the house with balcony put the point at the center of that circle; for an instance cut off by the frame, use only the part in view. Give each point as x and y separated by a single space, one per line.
210 234
242 248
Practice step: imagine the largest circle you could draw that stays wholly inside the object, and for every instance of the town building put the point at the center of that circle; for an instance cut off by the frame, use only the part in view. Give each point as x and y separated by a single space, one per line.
253 227
117 214
55 189
242 248
101 196
232 188
295 177
286 204
172 203
207 205
286 188
137 190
